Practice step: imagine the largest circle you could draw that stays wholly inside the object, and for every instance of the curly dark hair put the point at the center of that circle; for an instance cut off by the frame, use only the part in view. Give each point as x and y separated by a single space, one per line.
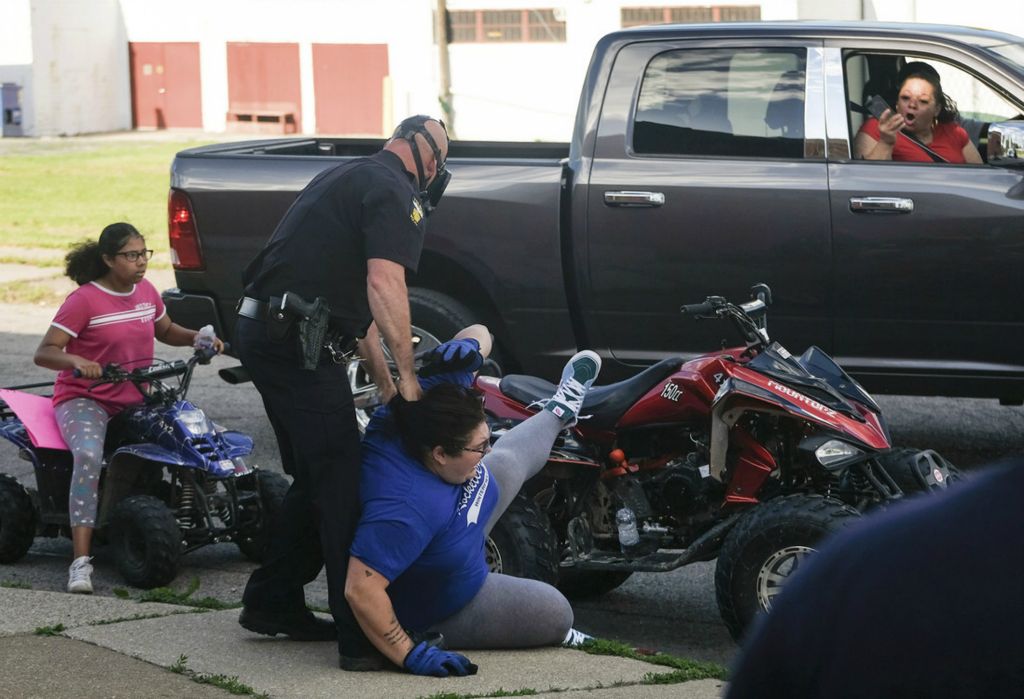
84 263
921 70
445 416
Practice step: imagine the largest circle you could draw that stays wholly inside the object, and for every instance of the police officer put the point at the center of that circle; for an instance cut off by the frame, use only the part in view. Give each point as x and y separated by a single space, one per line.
344 245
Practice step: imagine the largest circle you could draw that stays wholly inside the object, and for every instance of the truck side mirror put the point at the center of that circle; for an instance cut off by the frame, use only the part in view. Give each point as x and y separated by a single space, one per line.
1006 144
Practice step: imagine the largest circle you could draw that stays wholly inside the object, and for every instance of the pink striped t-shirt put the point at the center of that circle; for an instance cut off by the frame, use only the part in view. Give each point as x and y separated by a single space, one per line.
106 326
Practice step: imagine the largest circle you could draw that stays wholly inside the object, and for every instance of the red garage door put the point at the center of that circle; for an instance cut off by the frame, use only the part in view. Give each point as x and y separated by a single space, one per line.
264 93
349 84
166 88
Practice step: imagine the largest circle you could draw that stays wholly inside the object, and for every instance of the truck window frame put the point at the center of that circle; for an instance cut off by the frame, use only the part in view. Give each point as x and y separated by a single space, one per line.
805 66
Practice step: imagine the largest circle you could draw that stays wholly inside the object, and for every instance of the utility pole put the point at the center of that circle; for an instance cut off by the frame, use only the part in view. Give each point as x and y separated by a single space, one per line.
445 84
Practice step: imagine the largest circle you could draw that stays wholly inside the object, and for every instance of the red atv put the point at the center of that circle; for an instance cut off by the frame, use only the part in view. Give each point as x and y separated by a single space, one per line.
749 454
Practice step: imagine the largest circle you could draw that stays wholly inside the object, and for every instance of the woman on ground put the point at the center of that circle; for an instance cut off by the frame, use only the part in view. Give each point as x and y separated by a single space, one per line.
923 111
112 317
432 490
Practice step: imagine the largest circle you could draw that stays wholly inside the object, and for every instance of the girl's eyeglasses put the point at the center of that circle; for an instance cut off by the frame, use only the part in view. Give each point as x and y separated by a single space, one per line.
134 255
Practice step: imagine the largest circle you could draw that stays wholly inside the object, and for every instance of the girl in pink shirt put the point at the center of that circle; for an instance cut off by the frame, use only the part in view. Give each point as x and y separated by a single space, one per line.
112 317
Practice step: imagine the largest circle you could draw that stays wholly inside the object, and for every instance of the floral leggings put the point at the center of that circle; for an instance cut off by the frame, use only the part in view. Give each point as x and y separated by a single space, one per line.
83 424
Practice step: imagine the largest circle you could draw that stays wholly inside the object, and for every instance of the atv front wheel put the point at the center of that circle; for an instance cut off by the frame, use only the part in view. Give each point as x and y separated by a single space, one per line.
17 520
522 543
272 487
146 541
766 547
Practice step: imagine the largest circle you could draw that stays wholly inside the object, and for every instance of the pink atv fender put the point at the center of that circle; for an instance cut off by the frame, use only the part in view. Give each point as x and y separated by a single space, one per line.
36 414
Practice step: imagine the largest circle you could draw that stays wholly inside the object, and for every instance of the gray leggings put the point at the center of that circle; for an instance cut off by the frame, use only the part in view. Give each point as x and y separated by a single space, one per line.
511 612
83 424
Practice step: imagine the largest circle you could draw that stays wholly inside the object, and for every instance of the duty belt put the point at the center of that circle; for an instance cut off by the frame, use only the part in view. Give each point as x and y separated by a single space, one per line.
338 345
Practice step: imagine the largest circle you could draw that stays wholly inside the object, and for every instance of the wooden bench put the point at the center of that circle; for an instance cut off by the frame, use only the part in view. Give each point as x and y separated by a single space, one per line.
268 117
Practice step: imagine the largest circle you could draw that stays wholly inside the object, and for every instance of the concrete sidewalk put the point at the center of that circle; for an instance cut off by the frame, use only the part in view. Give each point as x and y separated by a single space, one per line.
108 647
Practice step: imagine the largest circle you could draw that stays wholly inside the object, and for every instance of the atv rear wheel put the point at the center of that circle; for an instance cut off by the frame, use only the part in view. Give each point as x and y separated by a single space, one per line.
17 520
522 543
766 547
146 541
272 488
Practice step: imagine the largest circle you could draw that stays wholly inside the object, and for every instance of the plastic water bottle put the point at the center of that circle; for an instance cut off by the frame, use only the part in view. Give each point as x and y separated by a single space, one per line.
629 535
204 338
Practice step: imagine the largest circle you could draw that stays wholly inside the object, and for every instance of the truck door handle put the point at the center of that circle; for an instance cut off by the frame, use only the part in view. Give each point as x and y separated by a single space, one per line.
887 205
634 199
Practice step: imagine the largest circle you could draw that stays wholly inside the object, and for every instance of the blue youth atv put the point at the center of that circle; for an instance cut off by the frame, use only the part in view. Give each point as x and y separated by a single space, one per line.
172 481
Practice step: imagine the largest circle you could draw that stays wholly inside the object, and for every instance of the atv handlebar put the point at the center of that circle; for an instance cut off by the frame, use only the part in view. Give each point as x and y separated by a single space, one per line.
701 309
112 373
749 318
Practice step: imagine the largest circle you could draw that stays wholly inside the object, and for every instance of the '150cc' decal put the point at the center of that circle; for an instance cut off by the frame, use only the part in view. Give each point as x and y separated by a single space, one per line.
671 392
800 397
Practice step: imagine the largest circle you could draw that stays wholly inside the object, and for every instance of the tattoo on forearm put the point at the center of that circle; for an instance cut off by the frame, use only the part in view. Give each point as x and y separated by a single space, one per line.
395 634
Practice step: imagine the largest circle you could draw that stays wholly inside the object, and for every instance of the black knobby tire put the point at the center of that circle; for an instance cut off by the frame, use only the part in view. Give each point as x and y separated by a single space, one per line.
584 584
905 467
765 547
146 541
272 488
522 543
17 520
438 315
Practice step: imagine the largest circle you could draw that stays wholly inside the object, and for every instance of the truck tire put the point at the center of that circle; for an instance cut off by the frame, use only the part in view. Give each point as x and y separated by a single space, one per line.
917 471
272 488
17 520
584 584
522 543
765 547
146 541
435 319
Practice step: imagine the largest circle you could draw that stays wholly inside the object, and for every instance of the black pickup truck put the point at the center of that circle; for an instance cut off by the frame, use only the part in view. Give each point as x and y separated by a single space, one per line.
704 158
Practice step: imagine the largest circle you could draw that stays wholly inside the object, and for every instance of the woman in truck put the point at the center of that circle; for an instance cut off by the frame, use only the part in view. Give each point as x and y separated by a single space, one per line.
432 489
924 115
112 317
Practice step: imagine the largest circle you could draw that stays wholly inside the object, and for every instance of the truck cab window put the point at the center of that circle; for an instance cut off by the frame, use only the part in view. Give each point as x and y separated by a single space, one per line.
977 104
729 102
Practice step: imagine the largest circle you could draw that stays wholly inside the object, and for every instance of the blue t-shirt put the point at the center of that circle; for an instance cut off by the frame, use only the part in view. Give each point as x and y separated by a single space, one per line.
424 535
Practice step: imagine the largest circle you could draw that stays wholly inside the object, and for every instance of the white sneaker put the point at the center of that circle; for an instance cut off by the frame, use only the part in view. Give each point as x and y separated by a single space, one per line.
80 576
577 378
575 639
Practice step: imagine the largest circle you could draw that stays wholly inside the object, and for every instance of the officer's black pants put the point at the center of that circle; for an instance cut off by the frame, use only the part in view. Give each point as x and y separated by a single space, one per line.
314 421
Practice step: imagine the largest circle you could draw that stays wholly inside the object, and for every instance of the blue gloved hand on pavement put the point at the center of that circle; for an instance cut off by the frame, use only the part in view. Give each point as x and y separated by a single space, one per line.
454 355
426 659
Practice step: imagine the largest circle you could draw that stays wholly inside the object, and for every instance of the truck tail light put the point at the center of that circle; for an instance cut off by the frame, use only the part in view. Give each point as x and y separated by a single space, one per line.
186 252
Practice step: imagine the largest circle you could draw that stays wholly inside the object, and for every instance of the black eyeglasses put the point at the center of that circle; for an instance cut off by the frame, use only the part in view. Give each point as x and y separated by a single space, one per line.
134 255
481 452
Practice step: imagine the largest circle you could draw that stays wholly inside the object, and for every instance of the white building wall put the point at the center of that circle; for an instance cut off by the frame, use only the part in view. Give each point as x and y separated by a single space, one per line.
80 81
16 53
404 25
71 56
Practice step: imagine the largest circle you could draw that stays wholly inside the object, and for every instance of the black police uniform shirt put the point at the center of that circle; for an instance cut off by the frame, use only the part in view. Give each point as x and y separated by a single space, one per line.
365 209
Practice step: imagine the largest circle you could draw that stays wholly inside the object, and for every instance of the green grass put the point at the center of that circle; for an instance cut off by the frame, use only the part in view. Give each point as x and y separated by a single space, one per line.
685 669
50 630
15 584
230 684
166 595
58 193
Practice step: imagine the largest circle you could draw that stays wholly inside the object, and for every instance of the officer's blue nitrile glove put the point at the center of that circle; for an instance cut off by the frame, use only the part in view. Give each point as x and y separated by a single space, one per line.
425 659
454 355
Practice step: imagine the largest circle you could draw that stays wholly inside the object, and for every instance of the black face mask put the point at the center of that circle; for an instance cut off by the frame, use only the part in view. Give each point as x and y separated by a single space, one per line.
430 194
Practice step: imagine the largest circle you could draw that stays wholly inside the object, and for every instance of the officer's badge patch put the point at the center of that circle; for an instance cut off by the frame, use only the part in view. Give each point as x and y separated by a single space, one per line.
417 210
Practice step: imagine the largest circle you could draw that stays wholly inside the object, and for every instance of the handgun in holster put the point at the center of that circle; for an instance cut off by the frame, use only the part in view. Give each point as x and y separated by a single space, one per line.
313 318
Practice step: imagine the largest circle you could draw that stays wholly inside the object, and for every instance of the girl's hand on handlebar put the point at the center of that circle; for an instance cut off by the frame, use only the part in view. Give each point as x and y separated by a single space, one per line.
80 366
